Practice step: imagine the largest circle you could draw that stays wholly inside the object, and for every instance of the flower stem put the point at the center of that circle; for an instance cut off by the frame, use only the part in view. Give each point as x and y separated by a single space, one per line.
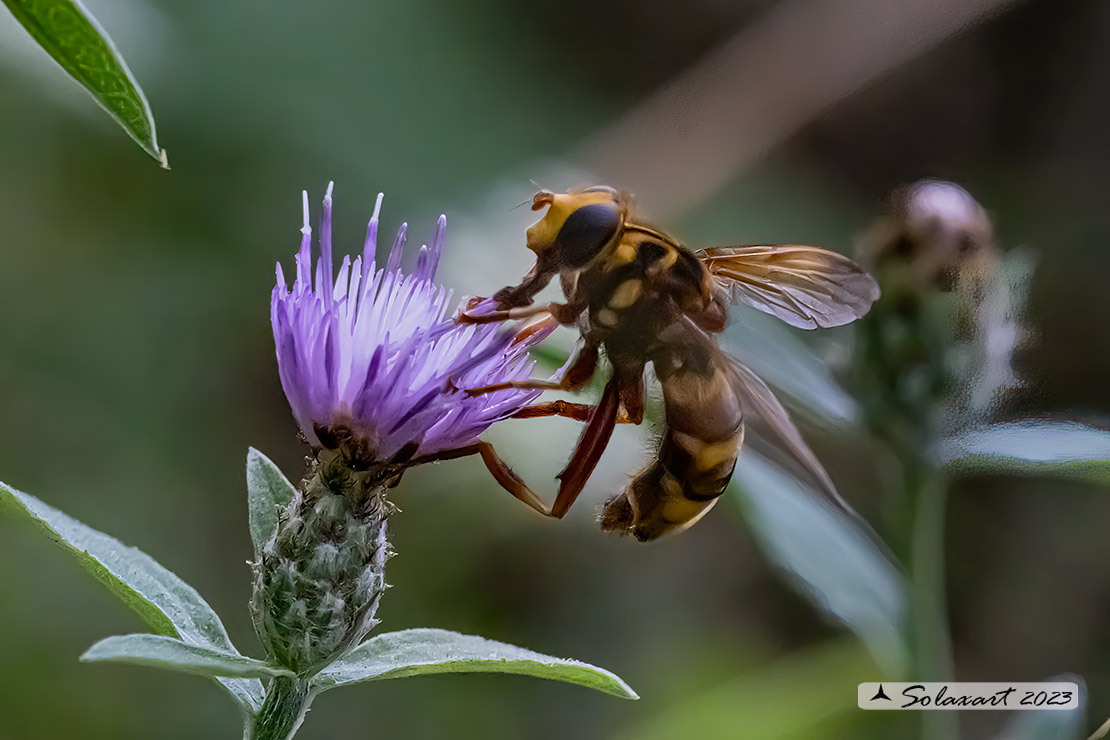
287 700
931 650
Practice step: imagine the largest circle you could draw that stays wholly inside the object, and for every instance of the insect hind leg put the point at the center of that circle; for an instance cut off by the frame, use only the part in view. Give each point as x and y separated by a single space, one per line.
510 481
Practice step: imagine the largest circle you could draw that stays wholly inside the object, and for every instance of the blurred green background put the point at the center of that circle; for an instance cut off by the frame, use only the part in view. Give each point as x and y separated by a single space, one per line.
136 360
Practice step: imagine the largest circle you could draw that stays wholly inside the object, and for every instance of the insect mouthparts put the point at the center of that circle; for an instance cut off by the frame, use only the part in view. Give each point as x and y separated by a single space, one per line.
542 199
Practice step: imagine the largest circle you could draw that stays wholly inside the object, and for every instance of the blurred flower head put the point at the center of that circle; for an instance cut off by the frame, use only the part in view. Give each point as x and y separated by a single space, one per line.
371 363
941 234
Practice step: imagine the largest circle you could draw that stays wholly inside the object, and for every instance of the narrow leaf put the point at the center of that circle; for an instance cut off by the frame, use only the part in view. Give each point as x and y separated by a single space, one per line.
74 38
268 493
166 603
175 655
1064 449
419 652
832 560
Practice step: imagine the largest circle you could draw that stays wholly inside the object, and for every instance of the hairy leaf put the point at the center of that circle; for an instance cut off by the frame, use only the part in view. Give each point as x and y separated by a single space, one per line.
166 603
419 652
176 655
268 492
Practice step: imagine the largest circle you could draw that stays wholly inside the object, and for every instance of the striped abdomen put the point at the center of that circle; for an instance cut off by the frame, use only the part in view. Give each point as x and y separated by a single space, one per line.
701 440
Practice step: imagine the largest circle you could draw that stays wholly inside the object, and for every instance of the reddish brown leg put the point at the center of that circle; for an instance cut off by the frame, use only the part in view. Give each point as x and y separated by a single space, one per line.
576 376
501 472
509 480
602 418
584 367
535 327
568 410
575 474
632 398
508 315
524 385
592 443
446 455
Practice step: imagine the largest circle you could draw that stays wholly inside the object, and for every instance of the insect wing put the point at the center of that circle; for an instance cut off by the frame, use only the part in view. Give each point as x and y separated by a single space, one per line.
806 287
760 401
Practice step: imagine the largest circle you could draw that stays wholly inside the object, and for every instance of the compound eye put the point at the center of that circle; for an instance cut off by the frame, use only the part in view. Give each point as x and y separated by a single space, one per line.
586 231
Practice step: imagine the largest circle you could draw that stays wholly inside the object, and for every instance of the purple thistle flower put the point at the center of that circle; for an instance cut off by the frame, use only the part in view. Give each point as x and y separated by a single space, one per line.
370 361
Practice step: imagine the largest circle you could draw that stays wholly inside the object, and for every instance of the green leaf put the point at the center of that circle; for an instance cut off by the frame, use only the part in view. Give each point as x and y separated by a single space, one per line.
1064 449
72 36
831 558
419 652
268 493
166 603
176 655
1064 724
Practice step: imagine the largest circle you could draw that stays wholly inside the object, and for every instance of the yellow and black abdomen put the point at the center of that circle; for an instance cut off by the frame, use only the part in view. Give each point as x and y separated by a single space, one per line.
701 441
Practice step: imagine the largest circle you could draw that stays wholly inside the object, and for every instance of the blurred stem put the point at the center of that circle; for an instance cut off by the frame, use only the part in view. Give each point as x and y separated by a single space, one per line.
931 651
287 700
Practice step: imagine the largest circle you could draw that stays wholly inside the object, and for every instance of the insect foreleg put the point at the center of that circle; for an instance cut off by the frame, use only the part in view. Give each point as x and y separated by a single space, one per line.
507 315
515 296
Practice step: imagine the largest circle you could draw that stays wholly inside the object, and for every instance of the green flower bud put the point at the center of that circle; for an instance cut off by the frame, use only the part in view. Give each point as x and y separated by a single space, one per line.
318 581
935 353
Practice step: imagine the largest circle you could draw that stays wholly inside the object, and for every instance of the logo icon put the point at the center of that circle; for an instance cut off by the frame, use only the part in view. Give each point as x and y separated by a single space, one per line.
880 694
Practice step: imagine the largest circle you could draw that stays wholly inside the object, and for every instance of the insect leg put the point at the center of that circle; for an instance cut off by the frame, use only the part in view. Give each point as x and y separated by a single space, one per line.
576 411
521 295
568 410
583 369
509 480
523 385
575 377
511 314
594 439
631 381
497 467
446 455
564 313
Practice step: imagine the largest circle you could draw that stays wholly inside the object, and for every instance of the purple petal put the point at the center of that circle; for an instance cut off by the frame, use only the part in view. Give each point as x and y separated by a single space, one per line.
394 262
437 247
374 348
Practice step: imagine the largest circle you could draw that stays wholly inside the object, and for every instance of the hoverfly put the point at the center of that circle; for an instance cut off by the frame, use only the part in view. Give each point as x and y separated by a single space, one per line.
639 295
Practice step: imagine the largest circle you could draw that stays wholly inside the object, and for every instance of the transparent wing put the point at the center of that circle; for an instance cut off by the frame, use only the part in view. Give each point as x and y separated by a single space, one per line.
806 287
760 401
